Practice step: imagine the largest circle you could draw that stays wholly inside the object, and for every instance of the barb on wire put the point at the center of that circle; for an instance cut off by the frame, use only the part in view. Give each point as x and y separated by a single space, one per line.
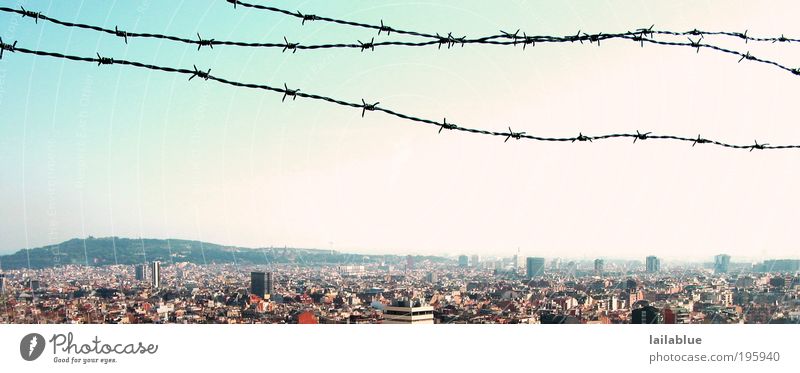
32 14
747 56
370 45
444 125
104 60
593 38
512 36
289 46
581 137
525 39
528 40
444 40
385 28
699 140
646 31
6 47
200 74
289 92
450 40
696 44
367 107
637 37
124 34
204 42
758 146
306 17
641 136
462 40
514 135
206 75
577 37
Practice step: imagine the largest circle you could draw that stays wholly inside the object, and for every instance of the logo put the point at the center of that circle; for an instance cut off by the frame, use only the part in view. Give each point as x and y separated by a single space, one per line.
31 346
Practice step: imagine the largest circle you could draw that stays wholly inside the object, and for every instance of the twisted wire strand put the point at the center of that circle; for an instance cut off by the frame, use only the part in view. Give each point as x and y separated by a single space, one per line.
365 107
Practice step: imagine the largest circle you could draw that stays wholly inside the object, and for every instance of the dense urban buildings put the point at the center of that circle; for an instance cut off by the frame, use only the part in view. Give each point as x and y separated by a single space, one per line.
780 265
385 290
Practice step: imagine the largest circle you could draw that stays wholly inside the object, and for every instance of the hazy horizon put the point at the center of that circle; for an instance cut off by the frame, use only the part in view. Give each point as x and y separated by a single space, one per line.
117 151
447 254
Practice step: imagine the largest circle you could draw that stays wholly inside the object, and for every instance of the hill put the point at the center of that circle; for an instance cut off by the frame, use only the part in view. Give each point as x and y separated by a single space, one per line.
115 250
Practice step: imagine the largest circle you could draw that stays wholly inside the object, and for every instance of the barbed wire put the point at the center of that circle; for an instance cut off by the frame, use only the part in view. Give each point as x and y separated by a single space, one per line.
503 35
311 17
506 38
370 106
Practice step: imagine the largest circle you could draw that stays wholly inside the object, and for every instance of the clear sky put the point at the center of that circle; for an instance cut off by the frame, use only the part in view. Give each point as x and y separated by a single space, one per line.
113 150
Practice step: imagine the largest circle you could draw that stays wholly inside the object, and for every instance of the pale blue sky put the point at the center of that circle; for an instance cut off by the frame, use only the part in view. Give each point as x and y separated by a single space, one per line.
112 150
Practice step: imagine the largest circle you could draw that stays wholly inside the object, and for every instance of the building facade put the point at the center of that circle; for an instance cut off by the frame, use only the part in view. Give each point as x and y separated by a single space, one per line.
270 284
599 266
722 263
534 267
652 264
155 281
406 311
646 315
258 283
140 272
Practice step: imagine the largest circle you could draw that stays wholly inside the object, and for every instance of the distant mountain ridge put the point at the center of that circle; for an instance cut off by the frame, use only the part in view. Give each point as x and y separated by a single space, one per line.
116 250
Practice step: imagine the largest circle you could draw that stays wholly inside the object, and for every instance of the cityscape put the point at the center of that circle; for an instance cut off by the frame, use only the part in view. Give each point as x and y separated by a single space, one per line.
465 289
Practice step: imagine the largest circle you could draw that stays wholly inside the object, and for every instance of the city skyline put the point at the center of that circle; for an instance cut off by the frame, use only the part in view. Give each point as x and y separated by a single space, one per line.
392 293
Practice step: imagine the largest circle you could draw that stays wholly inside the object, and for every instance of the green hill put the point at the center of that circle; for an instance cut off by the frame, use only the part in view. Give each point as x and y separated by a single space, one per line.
115 250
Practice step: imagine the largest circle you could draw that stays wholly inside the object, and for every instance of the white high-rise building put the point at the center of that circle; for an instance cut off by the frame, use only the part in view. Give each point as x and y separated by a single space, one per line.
155 280
405 311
